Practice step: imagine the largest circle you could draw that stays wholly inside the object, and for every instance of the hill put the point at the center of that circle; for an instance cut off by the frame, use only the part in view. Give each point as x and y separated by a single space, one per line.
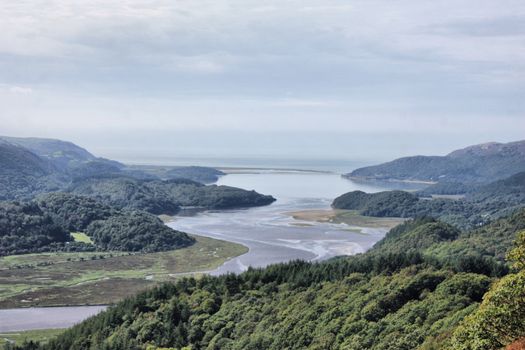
23 173
45 225
25 228
33 166
30 166
195 173
205 175
399 295
61 153
510 190
475 164
166 197
482 204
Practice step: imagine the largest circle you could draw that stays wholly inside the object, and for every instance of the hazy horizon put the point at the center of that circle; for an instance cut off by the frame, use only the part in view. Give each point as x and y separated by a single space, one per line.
353 80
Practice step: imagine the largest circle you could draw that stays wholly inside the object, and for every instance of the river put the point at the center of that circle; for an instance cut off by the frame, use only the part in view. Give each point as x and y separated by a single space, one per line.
269 232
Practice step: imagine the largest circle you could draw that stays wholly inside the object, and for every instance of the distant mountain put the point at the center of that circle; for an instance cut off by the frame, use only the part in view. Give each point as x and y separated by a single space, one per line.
23 173
475 164
61 153
32 166
21 161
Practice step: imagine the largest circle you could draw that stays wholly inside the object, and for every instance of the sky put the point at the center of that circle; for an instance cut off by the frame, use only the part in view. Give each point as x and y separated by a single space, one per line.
130 79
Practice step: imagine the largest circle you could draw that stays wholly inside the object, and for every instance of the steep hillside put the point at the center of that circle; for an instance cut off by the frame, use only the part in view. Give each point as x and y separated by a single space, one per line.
398 296
61 153
30 166
475 164
22 173
17 160
511 190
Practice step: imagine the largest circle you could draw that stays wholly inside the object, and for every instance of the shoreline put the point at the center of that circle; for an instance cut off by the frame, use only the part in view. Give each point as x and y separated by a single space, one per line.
372 179
340 216
257 170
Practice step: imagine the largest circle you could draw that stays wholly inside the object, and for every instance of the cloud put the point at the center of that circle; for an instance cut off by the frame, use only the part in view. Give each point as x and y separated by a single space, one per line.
20 90
14 90
295 65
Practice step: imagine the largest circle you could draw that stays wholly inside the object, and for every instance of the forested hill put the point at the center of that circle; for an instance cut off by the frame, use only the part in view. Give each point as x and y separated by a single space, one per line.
33 166
45 225
23 173
413 290
196 173
166 196
475 164
483 203
61 153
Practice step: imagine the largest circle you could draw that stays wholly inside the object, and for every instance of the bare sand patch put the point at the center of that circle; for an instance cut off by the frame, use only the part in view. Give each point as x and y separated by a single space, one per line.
348 217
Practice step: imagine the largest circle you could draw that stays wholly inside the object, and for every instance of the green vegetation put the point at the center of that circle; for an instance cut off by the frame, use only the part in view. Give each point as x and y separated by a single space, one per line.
399 295
61 153
44 225
480 206
447 188
499 320
53 279
24 228
200 174
474 164
38 335
81 237
33 166
22 173
166 197
195 173
136 232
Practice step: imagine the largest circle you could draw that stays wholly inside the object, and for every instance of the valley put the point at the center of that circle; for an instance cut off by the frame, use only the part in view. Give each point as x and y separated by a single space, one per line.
318 230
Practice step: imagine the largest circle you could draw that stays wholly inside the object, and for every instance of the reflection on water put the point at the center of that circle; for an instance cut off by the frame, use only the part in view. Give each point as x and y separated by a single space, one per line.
273 236
298 184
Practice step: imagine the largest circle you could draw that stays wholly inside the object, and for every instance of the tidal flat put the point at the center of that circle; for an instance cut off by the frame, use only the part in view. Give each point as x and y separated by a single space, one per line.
349 217
94 278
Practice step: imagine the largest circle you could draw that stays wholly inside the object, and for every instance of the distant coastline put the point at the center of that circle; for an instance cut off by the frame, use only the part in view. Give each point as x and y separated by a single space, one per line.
250 170
371 179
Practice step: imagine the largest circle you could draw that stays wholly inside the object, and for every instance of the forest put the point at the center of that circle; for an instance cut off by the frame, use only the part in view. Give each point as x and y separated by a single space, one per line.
165 196
30 167
480 205
52 187
45 224
411 290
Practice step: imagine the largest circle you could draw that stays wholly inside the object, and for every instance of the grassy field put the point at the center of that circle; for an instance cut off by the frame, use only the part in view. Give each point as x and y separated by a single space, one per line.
53 279
349 217
40 335
81 237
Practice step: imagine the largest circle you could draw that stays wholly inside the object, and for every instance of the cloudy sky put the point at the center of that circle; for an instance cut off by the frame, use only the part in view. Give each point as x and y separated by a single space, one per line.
310 78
